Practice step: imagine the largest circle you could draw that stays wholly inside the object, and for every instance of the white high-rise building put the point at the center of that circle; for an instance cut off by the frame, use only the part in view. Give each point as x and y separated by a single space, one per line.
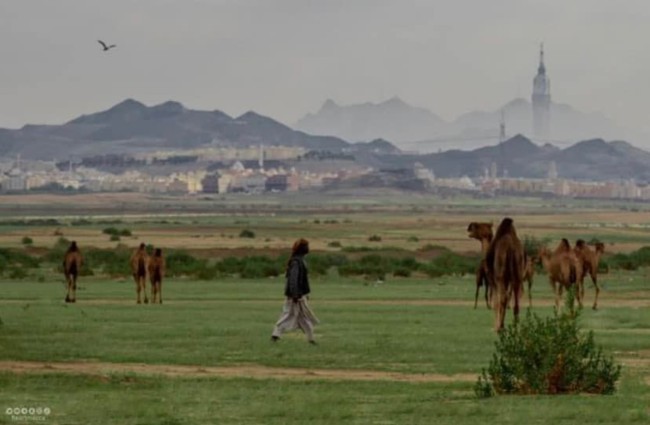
541 100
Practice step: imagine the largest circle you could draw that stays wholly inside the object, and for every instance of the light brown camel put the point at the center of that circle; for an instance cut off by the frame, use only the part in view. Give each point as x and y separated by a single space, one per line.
156 274
483 233
139 261
505 261
72 262
563 268
590 260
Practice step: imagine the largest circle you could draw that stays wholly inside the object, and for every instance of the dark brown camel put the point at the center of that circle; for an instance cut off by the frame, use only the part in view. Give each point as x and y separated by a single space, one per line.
505 261
139 261
156 274
483 233
590 260
564 270
72 263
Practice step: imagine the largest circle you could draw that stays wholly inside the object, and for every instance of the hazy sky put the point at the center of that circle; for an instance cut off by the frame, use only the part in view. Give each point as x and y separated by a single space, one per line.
283 58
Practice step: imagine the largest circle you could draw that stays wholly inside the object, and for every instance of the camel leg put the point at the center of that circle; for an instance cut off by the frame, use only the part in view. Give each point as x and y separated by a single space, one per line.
530 293
556 293
153 292
137 289
517 292
500 307
594 279
74 289
69 287
160 292
144 290
479 280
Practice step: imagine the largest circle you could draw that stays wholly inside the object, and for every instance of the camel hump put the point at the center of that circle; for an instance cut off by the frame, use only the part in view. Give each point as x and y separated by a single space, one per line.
506 227
580 243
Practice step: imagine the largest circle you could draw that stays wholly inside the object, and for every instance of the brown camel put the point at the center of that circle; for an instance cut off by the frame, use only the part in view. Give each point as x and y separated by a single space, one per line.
156 274
590 260
483 233
505 261
564 270
71 267
139 261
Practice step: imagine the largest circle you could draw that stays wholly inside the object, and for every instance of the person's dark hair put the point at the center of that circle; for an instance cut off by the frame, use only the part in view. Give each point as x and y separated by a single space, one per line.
158 252
73 247
300 247
142 246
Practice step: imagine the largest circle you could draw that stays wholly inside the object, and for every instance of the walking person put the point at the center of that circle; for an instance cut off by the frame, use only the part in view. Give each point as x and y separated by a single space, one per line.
296 312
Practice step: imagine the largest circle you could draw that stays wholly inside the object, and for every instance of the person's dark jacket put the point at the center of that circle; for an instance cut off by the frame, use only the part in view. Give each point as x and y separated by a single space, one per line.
297 284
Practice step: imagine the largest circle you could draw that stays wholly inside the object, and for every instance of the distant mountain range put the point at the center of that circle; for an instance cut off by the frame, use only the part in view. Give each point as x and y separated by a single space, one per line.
391 120
130 127
594 159
419 129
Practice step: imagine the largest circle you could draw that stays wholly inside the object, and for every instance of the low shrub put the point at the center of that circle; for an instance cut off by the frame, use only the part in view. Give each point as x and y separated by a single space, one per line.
547 356
26 240
247 234
374 238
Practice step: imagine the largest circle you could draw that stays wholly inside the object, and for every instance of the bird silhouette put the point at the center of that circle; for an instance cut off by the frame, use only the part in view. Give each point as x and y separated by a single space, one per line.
105 46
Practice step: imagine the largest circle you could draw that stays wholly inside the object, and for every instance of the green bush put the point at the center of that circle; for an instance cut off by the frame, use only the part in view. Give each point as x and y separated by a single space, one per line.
16 258
247 234
27 240
374 238
115 238
111 231
334 244
547 356
180 263
17 273
532 245
413 239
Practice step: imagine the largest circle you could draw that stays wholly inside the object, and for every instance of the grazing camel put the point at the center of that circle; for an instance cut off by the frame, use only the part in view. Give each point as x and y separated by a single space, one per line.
483 233
505 261
564 270
71 267
590 260
156 274
139 261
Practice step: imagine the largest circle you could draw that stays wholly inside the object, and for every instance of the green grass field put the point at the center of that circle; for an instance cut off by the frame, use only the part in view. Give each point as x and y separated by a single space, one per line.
410 327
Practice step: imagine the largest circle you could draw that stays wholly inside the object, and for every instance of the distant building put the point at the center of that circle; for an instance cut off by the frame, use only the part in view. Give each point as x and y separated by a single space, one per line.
541 100
552 170
210 183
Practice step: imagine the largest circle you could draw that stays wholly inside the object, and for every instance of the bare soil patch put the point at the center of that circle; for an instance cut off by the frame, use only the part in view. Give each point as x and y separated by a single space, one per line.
240 371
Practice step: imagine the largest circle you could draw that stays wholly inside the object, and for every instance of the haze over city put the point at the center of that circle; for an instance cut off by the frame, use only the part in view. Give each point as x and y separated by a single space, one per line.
284 58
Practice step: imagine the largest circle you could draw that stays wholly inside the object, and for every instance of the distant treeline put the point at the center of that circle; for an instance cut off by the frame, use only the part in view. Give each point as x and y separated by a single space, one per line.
376 264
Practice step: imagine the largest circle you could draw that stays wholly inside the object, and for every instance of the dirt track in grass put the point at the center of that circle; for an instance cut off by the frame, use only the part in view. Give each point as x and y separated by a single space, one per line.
242 371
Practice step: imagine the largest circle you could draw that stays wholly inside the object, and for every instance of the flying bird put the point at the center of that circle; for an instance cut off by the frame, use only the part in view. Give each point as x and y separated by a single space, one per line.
105 46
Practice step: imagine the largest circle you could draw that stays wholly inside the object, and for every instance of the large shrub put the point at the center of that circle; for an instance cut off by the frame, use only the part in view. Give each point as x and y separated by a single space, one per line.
547 356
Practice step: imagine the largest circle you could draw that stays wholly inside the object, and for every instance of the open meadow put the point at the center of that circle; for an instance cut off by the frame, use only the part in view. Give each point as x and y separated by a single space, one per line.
392 349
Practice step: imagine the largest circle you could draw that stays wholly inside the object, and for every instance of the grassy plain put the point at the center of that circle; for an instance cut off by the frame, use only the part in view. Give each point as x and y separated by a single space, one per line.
407 350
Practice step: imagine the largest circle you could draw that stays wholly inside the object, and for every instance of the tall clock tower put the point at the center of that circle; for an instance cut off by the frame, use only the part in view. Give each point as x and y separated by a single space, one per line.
541 100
